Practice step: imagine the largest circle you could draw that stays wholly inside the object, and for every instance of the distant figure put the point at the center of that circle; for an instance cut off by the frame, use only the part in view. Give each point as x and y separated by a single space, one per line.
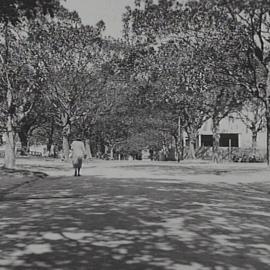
78 153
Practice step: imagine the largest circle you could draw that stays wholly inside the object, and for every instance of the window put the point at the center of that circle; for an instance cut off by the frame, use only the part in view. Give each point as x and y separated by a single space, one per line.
226 138
231 119
206 140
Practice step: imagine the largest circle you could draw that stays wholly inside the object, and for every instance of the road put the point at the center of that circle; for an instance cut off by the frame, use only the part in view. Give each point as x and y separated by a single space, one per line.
134 223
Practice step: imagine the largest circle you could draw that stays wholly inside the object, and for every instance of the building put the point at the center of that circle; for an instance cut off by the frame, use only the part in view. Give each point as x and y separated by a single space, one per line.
233 132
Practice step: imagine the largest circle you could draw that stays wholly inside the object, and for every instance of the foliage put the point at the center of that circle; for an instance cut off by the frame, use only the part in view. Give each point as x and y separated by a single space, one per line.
14 11
253 115
187 61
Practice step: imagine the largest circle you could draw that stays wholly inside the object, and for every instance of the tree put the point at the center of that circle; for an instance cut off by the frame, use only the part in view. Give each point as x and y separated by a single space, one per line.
69 61
253 116
17 71
206 32
41 118
107 90
177 64
19 87
249 20
253 18
14 11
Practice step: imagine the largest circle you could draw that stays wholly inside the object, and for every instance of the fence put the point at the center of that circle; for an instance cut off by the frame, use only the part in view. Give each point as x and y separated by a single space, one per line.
232 154
18 153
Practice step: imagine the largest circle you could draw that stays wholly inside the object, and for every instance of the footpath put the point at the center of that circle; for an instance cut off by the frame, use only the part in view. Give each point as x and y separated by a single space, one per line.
203 172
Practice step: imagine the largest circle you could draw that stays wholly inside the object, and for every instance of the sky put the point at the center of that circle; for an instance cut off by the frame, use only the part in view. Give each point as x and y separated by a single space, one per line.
110 11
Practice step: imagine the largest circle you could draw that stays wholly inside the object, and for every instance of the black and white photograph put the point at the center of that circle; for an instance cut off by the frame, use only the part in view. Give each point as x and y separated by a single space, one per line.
134 134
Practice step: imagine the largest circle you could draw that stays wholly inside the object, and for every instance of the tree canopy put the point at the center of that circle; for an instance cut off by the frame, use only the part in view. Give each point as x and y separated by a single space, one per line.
177 65
14 11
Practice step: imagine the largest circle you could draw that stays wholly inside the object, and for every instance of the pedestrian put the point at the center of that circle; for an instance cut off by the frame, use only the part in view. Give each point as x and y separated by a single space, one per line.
77 154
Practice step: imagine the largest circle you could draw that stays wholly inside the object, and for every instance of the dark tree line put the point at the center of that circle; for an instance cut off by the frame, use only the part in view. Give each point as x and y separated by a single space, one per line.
176 63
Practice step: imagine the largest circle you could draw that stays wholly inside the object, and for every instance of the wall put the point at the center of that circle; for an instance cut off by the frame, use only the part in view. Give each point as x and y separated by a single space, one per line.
233 124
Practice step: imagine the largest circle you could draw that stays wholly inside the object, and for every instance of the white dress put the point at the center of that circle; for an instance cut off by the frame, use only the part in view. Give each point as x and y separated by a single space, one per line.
78 152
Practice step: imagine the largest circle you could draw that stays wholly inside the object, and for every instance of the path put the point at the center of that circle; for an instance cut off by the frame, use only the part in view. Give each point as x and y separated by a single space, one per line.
137 223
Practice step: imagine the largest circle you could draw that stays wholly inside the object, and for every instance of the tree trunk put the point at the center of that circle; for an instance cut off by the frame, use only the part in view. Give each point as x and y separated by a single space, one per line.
65 147
181 145
88 149
268 136
66 133
254 141
50 137
192 144
177 147
10 155
111 153
267 114
192 149
23 135
179 142
216 138
49 145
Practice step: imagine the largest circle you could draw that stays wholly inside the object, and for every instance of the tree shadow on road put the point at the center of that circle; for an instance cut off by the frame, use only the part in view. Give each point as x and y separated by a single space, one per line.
130 224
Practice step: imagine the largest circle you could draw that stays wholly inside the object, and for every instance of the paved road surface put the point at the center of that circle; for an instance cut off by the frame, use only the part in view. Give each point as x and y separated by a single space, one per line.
135 223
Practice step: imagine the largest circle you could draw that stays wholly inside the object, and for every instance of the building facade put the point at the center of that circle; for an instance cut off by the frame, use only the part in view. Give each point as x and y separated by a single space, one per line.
233 132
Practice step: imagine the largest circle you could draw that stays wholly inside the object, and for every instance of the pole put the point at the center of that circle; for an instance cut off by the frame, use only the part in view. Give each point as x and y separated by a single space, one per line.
267 92
230 149
180 157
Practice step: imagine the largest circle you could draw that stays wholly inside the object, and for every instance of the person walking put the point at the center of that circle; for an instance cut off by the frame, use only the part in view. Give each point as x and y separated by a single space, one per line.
77 154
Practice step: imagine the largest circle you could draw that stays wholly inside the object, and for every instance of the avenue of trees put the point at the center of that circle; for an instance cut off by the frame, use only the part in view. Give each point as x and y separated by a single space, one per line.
176 66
